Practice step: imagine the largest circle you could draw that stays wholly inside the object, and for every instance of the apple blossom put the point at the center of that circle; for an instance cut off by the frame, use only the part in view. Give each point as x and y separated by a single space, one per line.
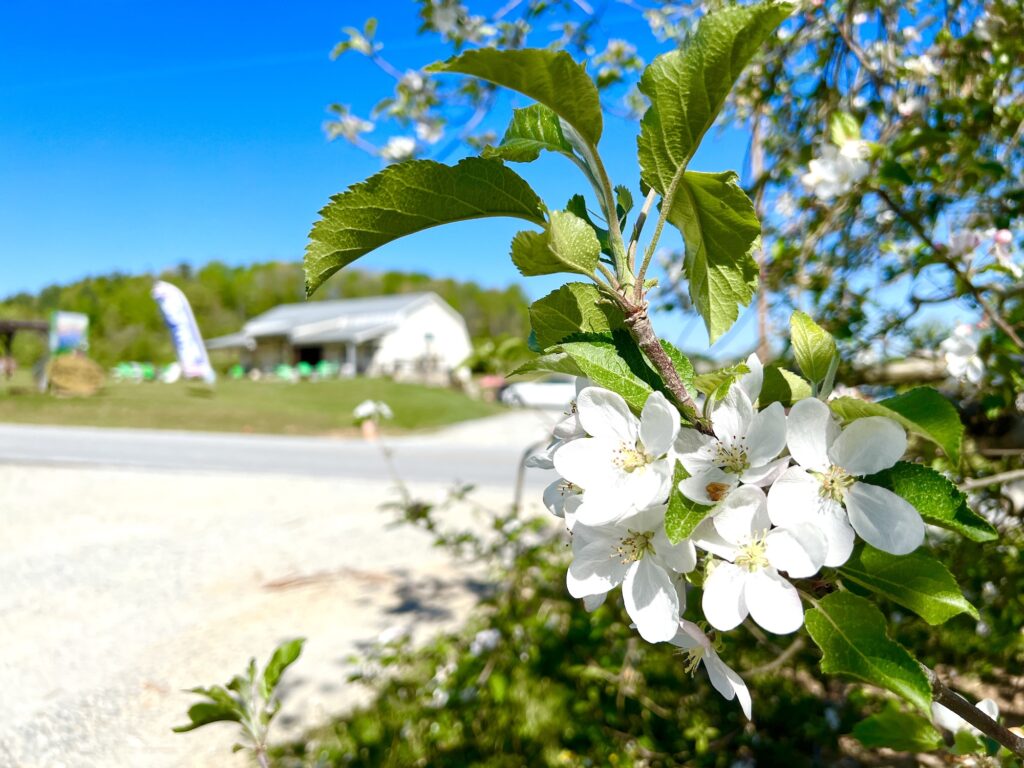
748 582
961 354
636 553
623 464
837 169
399 148
568 428
743 449
823 489
699 650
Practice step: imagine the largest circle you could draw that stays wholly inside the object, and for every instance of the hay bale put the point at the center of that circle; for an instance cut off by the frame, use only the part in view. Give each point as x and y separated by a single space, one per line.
74 375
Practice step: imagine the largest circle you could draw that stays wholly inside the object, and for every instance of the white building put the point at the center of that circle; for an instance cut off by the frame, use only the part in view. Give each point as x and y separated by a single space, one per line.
410 335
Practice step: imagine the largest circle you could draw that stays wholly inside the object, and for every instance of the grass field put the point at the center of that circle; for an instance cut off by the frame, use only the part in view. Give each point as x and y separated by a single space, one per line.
307 408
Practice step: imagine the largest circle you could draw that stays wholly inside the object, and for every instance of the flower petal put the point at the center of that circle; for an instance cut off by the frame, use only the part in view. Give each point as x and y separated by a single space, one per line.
835 525
681 557
723 601
588 462
659 424
732 416
727 682
742 515
766 474
883 519
774 603
707 537
690 636
696 488
868 445
592 602
555 497
794 498
767 435
690 441
752 382
810 430
594 568
651 601
604 413
799 550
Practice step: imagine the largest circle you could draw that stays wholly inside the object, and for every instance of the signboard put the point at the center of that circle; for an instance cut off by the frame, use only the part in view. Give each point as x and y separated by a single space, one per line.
69 332
188 342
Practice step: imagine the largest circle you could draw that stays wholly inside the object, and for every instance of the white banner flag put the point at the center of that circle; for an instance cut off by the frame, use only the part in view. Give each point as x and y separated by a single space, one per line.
195 363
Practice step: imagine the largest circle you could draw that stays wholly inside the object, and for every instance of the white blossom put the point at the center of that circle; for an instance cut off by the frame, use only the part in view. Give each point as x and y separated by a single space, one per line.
912 105
623 464
374 410
636 553
945 718
399 148
429 132
568 428
350 126
485 640
960 351
837 169
748 582
744 447
823 489
699 650
921 66
963 242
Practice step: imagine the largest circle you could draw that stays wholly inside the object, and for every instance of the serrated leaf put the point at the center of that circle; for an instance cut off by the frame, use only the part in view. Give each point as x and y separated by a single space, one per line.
937 500
531 131
850 631
410 197
892 728
577 205
687 87
814 348
782 386
718 382
552 78
568 244
721 232
206 712
573 308
682 515
283 657
916 581
922 411
610 361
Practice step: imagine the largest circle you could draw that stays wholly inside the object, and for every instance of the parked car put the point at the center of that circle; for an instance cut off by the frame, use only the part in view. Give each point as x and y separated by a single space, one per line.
554 391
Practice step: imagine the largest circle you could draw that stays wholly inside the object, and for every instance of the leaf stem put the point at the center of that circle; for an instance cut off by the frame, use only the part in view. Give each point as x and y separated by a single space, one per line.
622 266
966 711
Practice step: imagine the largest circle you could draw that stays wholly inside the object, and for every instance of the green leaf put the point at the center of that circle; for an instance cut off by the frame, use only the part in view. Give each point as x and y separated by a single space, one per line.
687 87
283 657
892 728
922 411
410 197
552 78
573 308
782 386
532 130
843 127
623 203
718 382
939 501
206 712
813 346
916 581
613 362
850 631
569 244
967 743
577 205
682 515
721 233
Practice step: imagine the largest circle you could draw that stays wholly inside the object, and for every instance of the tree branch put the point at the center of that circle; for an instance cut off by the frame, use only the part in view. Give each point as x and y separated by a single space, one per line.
966 711
1000 477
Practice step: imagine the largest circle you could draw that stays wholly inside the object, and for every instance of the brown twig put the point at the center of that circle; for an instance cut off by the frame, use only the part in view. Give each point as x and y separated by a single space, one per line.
966 711
1000 477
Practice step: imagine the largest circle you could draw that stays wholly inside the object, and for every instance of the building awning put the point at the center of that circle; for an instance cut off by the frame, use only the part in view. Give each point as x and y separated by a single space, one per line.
356 335
232 341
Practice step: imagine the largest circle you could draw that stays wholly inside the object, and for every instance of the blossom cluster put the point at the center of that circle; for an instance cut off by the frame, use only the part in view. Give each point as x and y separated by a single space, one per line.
784 497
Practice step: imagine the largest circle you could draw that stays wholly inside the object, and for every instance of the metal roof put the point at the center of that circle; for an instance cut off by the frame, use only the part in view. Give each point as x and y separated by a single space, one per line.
376 310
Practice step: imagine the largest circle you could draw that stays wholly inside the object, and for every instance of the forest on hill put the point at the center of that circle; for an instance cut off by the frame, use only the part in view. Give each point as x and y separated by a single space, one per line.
125 323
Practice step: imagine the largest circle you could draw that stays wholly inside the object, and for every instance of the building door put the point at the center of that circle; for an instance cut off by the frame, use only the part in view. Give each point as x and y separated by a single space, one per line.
311 355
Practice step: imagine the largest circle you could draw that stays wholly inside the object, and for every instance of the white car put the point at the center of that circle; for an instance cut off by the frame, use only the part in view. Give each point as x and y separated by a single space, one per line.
550 392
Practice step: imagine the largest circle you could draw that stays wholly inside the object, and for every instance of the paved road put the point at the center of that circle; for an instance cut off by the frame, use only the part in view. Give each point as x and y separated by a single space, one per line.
484 452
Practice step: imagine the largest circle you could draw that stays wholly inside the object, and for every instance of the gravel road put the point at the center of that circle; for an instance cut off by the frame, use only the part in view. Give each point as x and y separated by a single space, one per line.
122 587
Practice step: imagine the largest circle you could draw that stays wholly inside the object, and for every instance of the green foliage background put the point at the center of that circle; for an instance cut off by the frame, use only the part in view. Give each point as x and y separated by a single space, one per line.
125 323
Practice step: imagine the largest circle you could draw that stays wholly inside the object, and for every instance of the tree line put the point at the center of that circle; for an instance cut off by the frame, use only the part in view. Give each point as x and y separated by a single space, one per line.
125 324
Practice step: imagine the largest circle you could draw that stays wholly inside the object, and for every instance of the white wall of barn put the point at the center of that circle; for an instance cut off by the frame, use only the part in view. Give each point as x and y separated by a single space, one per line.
449 339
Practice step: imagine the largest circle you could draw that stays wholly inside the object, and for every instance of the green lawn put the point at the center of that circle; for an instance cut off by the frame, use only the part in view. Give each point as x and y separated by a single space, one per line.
307 408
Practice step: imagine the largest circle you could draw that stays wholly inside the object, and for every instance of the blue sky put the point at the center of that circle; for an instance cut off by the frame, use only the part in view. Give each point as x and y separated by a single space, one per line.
137 135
